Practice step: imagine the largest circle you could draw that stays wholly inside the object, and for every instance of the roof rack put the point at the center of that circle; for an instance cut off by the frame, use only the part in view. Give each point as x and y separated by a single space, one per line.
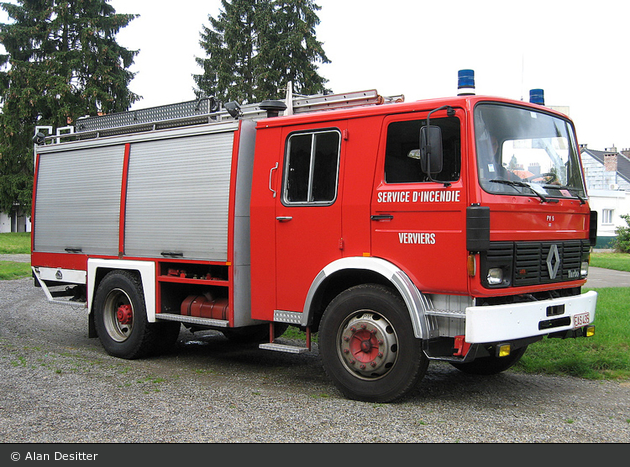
209 110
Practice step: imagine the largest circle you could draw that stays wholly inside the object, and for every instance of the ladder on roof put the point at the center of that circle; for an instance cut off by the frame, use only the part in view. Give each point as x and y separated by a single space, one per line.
209 110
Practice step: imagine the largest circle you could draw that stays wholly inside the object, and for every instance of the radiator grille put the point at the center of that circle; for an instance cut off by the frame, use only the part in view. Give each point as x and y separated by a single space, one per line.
541 262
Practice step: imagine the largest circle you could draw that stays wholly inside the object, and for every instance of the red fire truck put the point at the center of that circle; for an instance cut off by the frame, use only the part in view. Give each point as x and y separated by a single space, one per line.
453 229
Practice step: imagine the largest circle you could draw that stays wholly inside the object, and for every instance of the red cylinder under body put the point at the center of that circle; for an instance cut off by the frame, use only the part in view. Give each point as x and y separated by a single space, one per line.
205 306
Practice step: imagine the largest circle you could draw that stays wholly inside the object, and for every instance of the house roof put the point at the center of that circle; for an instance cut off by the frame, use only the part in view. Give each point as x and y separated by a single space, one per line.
623 163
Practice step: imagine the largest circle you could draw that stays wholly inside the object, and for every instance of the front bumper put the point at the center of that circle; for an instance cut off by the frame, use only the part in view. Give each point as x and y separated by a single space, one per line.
497 323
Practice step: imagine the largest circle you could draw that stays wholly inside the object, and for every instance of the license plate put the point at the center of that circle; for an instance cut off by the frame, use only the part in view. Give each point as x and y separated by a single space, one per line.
580 320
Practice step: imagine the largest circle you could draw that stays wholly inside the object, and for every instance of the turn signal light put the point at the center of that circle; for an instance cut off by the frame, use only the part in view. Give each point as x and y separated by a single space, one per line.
472 265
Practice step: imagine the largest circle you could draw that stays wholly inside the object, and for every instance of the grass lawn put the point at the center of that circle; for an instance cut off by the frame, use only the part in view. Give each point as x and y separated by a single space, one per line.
11 270
15 243
606 355
617 261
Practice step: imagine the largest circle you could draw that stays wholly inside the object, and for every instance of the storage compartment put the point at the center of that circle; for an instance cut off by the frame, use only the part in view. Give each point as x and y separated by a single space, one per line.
77 200
177 272
178 196
195 299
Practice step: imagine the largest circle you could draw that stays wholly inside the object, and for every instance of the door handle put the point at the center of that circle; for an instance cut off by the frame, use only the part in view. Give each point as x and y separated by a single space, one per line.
270 177
382 217
284 218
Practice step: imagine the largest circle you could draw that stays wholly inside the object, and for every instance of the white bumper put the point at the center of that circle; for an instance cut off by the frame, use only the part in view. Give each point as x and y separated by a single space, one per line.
498 323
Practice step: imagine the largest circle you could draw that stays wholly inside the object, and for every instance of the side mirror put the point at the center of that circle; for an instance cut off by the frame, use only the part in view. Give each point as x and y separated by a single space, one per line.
431 149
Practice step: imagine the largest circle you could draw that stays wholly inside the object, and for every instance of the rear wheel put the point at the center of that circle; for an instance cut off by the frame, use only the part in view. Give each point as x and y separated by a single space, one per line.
490 365
368 347
120 318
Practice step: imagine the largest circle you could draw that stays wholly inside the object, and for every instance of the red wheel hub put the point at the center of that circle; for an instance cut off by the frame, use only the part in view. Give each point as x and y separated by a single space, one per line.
124 314
368 345
364 346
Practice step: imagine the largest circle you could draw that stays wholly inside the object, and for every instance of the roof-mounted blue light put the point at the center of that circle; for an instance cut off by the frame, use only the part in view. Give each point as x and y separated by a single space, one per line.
466 82
537 96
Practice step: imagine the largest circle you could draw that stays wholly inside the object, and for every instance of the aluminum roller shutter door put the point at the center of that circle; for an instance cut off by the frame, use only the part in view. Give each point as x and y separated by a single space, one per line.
178 197
78 200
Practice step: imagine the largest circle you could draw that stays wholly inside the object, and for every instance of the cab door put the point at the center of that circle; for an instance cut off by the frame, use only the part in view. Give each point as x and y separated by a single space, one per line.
418 220
308 212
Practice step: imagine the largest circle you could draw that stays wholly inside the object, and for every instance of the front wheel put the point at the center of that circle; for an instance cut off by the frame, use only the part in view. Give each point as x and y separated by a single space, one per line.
368 346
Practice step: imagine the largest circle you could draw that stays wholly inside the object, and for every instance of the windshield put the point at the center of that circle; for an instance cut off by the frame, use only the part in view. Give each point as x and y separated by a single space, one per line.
522 151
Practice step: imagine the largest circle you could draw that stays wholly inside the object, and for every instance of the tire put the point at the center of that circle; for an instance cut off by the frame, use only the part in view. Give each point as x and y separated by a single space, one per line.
490 365
120 318
368 347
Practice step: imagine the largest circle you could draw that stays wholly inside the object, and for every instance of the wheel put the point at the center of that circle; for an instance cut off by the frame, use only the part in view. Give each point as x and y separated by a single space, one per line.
120 319
490 365
368 347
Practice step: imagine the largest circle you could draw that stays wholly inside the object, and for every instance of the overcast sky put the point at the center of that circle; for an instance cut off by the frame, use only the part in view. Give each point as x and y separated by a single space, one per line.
576 51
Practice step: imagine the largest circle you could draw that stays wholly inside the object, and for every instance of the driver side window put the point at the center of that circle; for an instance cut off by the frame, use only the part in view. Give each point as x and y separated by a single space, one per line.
402 154
312 168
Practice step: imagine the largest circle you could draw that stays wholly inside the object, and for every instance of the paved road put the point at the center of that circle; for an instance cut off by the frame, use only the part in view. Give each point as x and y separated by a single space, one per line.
599 277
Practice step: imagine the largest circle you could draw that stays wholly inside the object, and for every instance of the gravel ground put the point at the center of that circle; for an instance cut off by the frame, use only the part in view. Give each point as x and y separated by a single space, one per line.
59 386
18 258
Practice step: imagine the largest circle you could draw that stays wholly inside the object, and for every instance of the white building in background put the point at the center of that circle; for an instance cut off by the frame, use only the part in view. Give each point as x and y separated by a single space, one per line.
14 223
607 175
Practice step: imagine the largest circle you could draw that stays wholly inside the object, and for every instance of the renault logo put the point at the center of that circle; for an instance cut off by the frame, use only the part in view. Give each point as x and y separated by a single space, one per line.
553 261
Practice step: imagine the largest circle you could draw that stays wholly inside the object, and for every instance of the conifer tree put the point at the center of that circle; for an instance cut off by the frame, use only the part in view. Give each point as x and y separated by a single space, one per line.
255 47
291 50
231 42
62 62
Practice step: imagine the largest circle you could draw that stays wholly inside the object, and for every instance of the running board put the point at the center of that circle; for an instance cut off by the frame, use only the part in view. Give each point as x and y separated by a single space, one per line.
278 347
283 348
446 313
219 323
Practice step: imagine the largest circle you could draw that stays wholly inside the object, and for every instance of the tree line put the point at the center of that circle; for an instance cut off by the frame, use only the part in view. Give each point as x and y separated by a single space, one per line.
62 61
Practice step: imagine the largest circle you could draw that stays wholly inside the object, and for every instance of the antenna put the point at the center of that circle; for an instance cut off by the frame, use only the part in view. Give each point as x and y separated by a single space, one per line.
522 73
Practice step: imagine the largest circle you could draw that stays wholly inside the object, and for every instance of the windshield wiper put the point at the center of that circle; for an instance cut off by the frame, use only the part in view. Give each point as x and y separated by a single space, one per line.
573 191
582 200
513 183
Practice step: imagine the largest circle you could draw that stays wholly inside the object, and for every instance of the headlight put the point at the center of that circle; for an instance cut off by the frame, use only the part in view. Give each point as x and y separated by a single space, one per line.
497 266
495 276
584 269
